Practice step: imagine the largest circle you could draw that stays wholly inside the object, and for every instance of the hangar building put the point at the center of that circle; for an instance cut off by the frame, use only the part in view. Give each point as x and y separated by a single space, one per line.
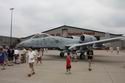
67 31
5 41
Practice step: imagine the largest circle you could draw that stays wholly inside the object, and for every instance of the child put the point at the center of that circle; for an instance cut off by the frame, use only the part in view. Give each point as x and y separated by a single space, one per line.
68 62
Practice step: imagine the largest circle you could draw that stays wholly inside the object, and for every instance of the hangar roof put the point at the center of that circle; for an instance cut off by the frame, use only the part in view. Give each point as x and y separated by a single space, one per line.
81 29
8 37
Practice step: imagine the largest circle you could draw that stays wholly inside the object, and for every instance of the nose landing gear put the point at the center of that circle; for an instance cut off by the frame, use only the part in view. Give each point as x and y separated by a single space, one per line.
61 54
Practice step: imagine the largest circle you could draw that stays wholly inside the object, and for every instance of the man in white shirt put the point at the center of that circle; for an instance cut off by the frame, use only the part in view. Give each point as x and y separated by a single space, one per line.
111 49
16 56
31 60
23 55
117 49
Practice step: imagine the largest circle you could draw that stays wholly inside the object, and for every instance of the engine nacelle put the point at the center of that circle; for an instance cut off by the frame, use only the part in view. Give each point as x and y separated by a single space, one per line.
82 38
87 38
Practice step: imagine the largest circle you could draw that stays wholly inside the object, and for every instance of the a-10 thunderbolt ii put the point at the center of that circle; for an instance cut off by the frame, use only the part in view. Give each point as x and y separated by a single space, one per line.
63 44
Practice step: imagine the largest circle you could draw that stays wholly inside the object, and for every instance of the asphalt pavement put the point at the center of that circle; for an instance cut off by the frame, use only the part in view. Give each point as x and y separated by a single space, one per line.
107 68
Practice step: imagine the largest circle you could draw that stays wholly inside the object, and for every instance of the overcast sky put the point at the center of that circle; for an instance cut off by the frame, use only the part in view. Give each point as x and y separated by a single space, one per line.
35 16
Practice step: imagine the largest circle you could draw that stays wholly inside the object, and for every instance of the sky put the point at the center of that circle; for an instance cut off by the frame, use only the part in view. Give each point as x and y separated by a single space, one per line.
35 16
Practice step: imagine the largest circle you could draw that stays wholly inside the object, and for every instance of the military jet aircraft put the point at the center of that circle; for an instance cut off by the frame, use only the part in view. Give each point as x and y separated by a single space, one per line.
63 44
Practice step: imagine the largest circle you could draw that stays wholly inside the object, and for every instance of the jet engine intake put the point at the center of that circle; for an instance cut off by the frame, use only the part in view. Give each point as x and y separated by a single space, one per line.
82 38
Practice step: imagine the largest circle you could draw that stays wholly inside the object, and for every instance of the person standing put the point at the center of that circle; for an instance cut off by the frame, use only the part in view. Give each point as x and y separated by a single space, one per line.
6 56
10 52
2 58
107 48
117 49
16 56
40 55
31 60
90 58
68 63
23 55
111 49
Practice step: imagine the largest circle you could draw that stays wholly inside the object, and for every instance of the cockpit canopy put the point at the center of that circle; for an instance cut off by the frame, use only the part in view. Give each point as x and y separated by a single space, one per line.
41 35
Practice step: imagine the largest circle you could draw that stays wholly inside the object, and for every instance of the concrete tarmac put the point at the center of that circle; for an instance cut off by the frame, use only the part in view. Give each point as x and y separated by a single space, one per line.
107 68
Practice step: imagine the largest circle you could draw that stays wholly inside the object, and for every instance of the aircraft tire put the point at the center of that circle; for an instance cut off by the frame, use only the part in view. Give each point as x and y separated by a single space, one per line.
61 54
82 56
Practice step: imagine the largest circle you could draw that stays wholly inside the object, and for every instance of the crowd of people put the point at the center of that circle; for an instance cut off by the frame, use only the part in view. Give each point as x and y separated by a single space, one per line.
10 56
111 49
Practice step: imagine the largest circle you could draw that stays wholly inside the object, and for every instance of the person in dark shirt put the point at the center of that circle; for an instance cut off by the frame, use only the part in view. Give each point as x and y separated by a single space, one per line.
10 56
90 58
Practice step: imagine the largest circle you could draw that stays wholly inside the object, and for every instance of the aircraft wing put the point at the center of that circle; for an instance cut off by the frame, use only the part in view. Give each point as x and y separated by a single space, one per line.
69 45
96 42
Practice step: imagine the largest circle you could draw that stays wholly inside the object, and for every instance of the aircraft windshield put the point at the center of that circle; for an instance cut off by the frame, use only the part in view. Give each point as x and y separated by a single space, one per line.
40 35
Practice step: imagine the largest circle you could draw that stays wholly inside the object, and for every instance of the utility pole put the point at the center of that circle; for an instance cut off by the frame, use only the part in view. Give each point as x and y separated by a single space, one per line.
11 26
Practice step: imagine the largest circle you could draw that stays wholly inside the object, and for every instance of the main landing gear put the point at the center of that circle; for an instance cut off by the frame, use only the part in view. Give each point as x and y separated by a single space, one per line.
61 54
82 55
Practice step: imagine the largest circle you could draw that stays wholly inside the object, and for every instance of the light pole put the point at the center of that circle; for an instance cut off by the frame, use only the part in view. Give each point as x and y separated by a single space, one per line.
11 9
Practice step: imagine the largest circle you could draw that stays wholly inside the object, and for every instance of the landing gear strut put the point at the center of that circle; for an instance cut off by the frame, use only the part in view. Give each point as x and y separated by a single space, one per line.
82 55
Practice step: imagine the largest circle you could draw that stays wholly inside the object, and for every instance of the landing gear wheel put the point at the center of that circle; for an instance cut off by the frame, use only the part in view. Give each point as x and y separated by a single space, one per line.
82 56
61 54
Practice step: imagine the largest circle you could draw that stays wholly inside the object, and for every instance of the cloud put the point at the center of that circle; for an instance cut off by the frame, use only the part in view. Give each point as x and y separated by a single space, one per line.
33 16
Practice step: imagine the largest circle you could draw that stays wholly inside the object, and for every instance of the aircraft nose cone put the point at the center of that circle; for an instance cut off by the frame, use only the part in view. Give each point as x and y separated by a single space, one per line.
20 45
23 44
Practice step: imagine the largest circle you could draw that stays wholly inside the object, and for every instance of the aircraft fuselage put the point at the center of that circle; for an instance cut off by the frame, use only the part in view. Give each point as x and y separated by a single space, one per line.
53 42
